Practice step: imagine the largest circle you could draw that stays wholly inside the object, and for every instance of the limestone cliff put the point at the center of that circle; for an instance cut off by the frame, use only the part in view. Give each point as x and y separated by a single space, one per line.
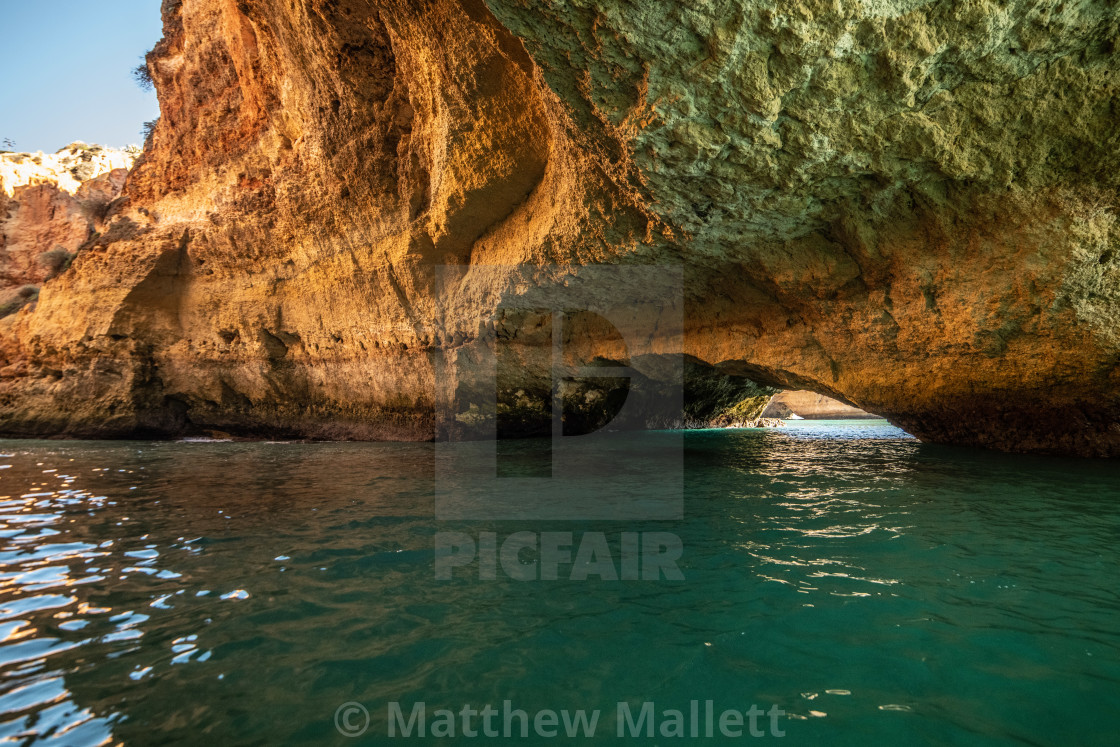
907 205
50 205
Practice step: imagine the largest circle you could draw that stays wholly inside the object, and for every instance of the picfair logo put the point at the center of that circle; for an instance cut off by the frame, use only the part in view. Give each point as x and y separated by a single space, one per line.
552 410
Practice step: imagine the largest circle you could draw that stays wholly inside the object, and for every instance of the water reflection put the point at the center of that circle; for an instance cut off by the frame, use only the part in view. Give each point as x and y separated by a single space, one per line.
872 586
116 607
37 597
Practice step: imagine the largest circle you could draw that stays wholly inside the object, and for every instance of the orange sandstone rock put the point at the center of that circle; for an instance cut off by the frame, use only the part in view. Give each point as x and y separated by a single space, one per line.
908 206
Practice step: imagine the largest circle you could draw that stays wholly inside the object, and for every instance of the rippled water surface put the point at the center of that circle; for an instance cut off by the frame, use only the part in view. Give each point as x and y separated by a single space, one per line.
878 590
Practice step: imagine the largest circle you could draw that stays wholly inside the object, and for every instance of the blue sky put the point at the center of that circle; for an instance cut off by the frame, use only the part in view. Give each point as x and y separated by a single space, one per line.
65 71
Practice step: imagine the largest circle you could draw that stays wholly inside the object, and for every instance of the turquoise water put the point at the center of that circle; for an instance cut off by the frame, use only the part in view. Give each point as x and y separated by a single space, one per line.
875 589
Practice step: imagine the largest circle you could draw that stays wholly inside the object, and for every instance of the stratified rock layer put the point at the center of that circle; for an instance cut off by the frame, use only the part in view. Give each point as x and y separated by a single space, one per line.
906 205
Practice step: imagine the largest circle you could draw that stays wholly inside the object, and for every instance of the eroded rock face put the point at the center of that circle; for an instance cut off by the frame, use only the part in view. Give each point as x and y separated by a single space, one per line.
907 205
49 207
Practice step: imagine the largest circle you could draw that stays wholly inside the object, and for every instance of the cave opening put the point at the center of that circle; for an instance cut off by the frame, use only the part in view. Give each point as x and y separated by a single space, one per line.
802 404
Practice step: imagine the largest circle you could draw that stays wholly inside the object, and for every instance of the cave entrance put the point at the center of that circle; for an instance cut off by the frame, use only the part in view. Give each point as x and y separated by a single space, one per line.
802 404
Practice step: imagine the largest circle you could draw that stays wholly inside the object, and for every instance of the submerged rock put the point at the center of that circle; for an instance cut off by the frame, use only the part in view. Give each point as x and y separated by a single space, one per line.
909 206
